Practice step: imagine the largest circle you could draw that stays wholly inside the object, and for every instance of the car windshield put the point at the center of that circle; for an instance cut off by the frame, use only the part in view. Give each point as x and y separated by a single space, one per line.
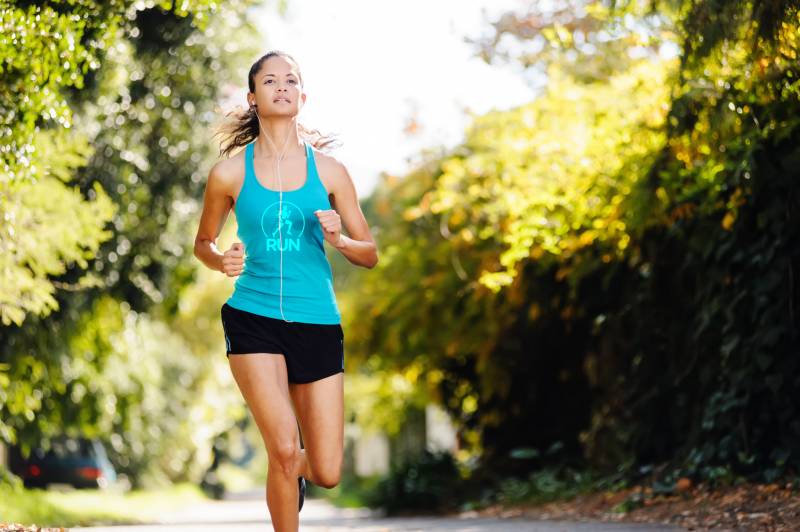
70 448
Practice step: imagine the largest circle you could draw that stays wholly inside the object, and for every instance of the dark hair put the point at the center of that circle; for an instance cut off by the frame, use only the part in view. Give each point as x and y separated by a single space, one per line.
242 128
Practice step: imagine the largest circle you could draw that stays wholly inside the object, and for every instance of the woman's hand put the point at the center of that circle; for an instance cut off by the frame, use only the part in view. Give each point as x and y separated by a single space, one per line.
233 260
331 224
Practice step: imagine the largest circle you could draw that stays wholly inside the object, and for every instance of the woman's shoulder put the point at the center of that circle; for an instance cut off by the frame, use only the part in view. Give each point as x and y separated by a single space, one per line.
228 171
232 165
329 164
332 172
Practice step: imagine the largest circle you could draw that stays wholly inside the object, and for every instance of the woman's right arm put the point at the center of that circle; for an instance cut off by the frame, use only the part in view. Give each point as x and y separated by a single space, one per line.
217 203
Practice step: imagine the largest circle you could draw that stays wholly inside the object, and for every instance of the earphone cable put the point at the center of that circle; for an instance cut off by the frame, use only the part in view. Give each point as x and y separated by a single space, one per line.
280 207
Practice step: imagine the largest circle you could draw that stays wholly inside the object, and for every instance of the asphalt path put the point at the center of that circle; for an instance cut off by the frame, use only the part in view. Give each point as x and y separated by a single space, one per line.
248 512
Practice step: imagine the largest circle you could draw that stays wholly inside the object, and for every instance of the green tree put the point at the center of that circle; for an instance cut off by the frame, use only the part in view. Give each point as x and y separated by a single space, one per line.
609 270
117 356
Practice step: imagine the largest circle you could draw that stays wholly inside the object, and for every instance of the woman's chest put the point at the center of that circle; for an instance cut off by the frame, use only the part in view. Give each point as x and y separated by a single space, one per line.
292 216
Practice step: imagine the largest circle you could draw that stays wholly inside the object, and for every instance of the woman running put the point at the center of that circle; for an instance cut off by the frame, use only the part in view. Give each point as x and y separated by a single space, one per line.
283 333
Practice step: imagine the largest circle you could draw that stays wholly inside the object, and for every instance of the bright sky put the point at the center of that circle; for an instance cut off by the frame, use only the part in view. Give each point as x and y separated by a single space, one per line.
368 66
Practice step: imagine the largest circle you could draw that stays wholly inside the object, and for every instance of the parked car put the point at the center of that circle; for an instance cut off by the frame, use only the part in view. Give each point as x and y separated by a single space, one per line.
80 462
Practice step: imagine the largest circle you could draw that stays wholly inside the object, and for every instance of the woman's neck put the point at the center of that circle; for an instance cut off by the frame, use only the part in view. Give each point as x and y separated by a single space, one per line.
283 135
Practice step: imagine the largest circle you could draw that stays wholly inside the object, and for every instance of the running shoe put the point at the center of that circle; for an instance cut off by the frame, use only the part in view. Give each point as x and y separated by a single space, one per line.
301 484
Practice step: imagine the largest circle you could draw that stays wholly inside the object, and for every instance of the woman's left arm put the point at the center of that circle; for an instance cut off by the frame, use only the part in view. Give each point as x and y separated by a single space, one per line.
359 247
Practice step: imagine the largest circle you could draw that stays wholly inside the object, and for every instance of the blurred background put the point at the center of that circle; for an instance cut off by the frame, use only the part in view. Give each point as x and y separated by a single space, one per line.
587 218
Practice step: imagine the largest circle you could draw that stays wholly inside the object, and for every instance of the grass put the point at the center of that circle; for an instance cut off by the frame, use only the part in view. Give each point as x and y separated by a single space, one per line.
91 507
351 492
547 485
542 486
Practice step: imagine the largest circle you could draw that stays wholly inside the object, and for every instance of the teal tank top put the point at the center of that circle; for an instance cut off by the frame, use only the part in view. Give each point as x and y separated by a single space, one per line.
307 279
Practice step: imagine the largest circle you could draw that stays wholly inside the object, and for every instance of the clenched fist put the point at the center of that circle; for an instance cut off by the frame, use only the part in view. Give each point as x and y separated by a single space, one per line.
233 260
331 224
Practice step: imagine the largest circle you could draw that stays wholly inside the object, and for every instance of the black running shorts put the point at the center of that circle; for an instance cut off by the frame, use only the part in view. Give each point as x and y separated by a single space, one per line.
312 351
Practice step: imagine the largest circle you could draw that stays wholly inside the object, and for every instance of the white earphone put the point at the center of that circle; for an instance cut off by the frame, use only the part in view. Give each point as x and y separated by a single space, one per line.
280 202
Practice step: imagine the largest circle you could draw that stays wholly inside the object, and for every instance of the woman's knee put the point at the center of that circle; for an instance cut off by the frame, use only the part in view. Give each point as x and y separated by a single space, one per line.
285 455
327 476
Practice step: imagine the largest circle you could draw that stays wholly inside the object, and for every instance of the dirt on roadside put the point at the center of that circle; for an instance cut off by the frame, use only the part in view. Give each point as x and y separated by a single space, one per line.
19 527
748 507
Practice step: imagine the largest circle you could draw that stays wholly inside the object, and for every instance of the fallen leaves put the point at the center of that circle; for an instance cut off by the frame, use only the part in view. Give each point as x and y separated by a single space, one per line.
763 507
19 527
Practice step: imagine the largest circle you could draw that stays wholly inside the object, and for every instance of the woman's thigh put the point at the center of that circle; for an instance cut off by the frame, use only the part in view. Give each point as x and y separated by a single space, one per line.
320 413
263 381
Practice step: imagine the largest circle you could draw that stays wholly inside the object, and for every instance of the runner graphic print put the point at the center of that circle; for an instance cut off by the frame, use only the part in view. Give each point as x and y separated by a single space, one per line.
288 227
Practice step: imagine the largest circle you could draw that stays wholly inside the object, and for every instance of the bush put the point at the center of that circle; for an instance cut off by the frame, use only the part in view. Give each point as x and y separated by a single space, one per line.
429 483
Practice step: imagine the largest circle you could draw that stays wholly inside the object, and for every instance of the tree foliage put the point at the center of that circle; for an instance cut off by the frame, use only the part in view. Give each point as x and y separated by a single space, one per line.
611 267
100 334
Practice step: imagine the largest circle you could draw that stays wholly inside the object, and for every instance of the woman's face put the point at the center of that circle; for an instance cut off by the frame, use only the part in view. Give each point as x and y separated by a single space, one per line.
277 88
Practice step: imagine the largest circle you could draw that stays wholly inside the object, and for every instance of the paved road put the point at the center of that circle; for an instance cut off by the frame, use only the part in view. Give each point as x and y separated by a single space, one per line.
248 512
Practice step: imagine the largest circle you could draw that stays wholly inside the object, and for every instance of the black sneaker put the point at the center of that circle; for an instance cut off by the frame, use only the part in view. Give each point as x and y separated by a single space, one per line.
301 484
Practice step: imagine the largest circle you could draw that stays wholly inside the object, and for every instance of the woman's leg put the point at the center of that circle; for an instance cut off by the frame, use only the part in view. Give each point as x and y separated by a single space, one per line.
320 412
263 381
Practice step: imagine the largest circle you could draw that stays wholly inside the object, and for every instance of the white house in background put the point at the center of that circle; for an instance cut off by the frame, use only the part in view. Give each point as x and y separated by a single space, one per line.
372 450
440 435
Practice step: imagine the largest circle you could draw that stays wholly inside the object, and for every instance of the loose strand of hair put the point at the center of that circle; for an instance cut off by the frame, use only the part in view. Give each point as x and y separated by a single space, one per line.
241 128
